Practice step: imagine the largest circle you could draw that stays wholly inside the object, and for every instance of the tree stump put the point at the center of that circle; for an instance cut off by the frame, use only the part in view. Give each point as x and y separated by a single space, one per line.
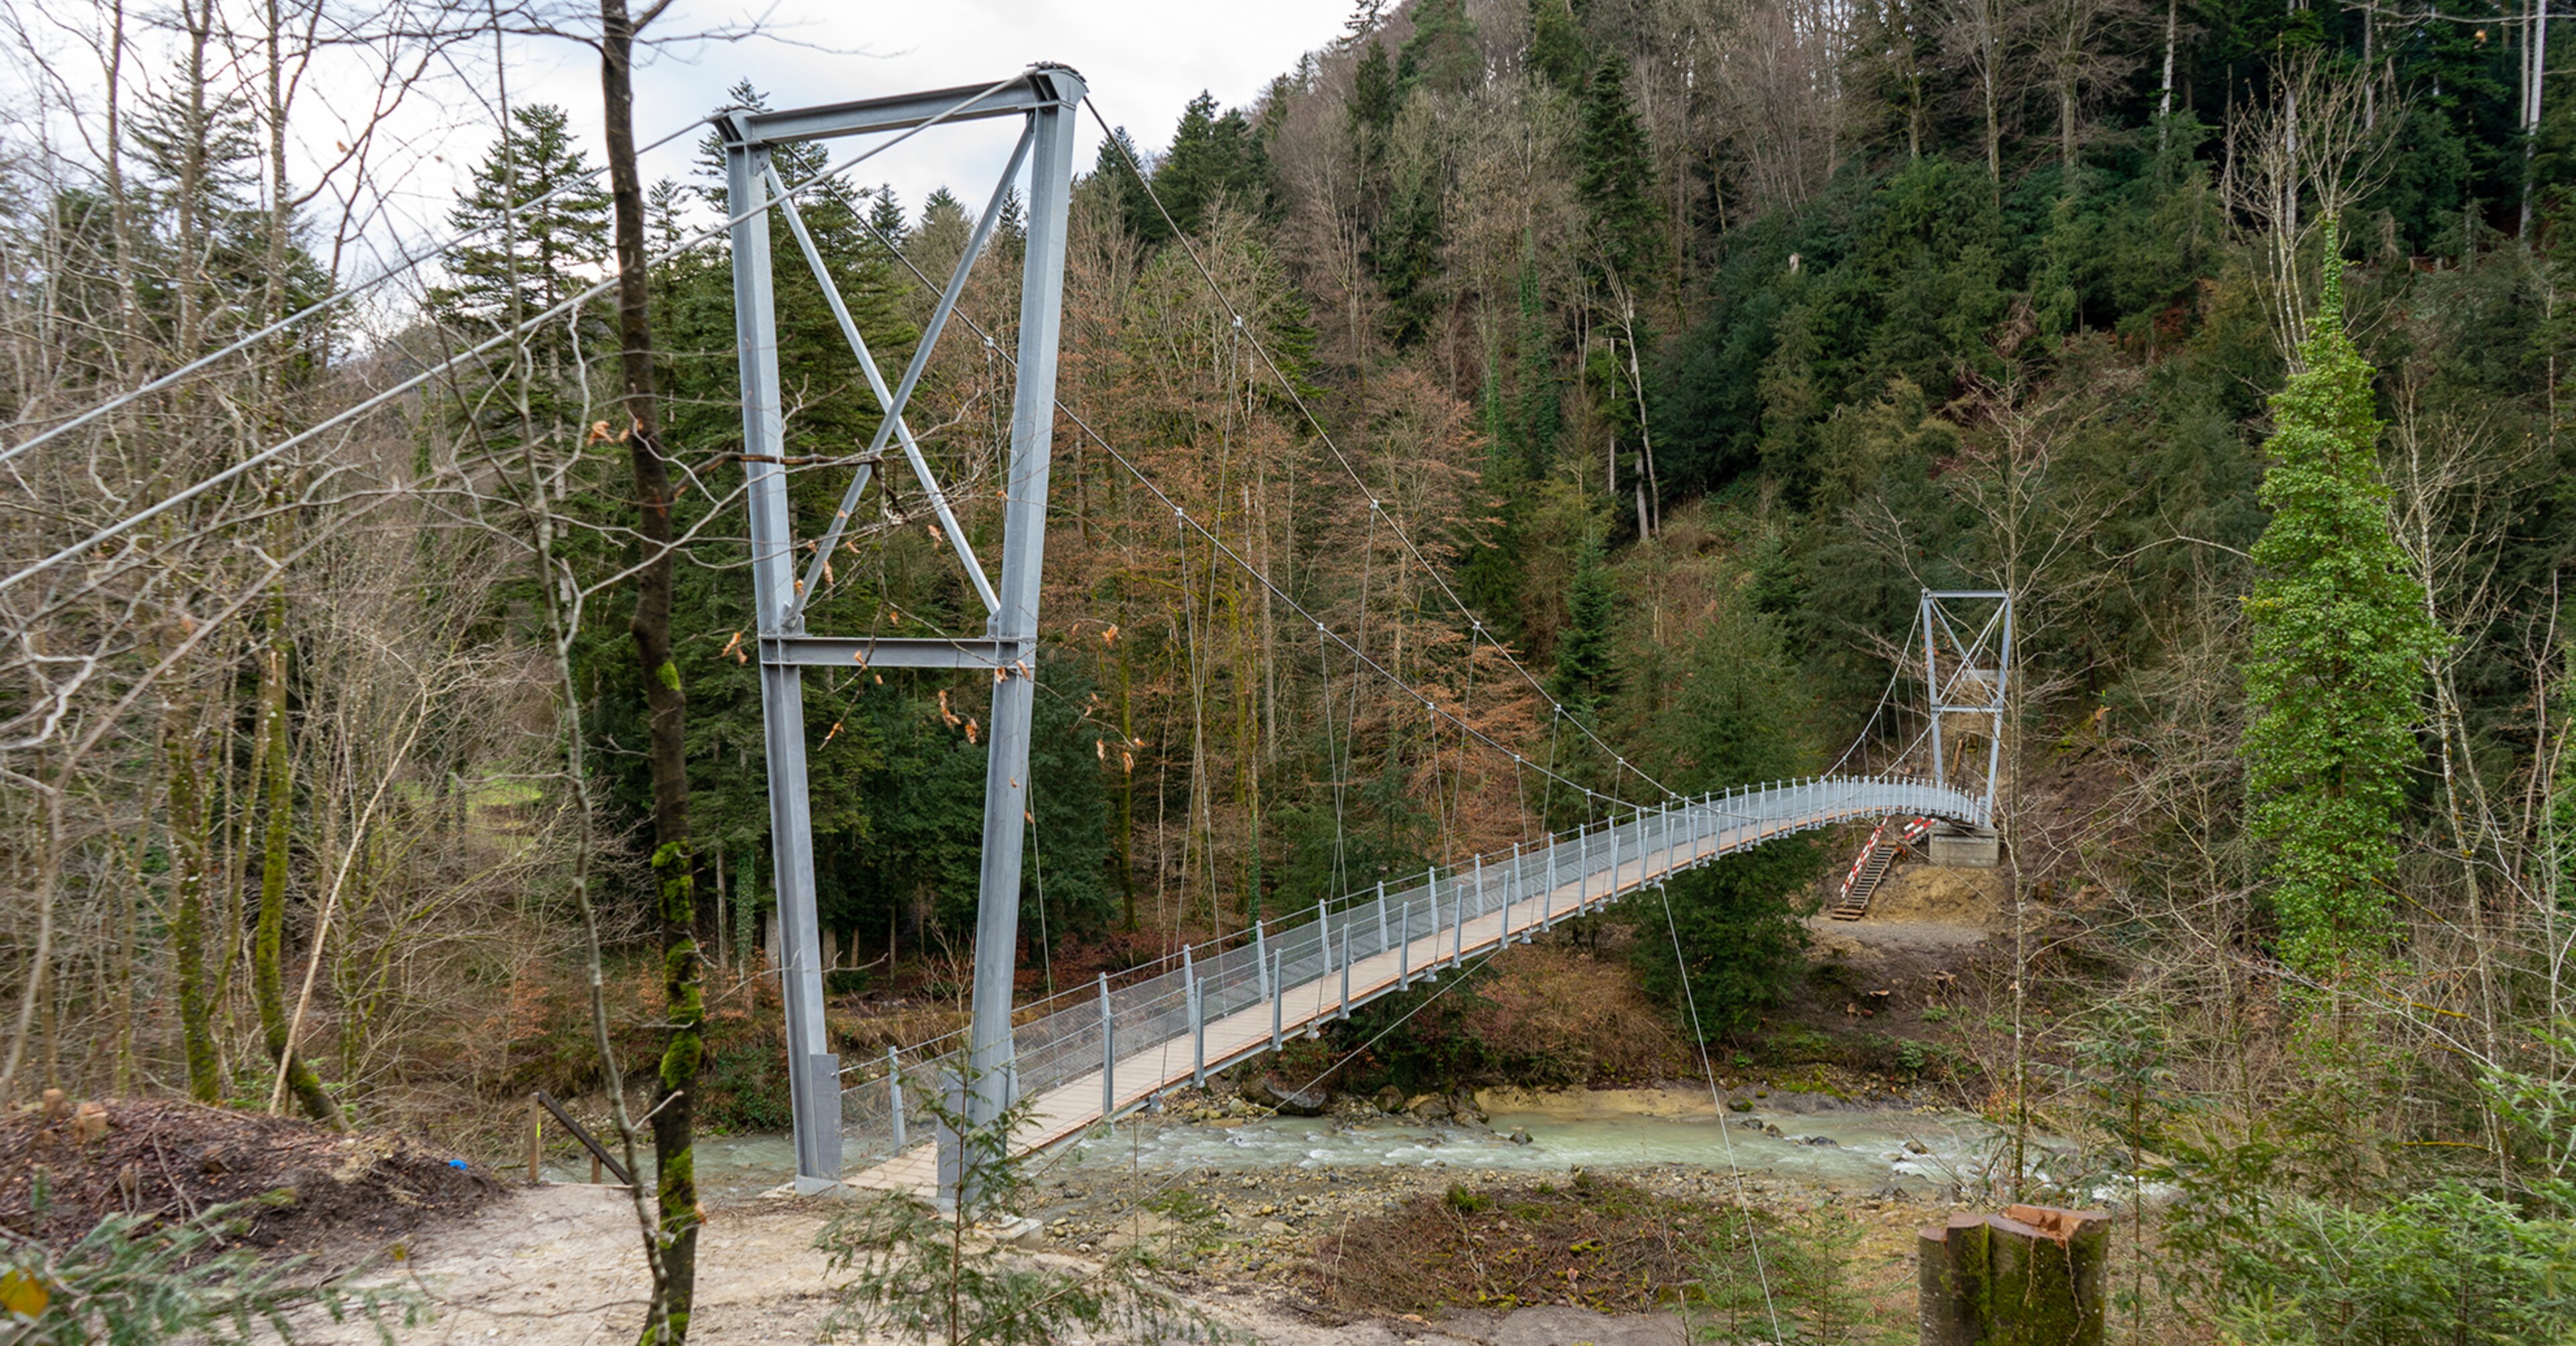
2031 1276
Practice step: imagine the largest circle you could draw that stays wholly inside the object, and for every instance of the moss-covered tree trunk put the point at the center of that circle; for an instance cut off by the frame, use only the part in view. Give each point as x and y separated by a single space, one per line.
268 984
675 896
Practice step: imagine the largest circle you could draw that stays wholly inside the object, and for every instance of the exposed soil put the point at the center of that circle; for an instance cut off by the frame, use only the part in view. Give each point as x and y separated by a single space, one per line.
1586 1242
334 1195
559 1266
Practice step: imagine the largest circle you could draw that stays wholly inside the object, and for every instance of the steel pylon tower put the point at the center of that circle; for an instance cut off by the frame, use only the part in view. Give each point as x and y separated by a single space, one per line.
1967 660
1045 98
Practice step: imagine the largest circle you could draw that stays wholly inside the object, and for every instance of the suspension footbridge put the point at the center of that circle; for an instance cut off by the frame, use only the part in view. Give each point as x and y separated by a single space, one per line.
1075 1059
1048 1071
1085 1056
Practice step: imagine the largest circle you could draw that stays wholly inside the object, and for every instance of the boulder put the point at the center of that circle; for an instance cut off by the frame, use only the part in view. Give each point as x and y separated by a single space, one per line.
1520 1135
1464 1108
1390 1099
1288 1100
1428 1107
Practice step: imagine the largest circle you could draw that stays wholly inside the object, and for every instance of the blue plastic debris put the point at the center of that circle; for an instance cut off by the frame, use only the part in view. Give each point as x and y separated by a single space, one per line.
457 1164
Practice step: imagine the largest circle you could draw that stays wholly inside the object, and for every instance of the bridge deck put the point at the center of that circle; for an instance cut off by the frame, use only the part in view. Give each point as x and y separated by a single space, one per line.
1486 909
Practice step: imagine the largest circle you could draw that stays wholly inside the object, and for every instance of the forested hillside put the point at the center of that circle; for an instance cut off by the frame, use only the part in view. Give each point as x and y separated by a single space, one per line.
1611 375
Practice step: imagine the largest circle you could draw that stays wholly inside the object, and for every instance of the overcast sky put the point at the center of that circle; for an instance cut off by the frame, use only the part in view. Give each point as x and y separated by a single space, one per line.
1144 59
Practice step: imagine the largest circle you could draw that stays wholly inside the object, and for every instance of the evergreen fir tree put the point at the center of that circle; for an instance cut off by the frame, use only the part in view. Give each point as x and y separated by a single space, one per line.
1115 170
1585 671
1214 158
1373 99
886 220
2339 639
1442 55
1556 45
553 245
1616 175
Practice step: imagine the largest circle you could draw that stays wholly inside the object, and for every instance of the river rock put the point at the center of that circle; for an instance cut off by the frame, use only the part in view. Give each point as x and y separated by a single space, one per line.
1464 1108
1390 1099
1286 1099
1520 1135
1428 1107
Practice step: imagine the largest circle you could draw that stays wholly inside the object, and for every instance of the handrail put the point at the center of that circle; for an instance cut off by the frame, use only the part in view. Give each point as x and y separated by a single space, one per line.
1164 1007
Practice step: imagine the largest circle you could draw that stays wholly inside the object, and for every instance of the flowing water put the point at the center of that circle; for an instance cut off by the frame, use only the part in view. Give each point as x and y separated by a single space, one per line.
1850 1148
1865 1150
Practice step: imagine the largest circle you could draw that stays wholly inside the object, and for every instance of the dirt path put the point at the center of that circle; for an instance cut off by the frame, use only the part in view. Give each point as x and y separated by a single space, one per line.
558 1266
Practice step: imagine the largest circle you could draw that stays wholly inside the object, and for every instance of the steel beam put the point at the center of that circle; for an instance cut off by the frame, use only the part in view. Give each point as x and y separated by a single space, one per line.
813 1074
1040 89
1006 785
1047 97
893 652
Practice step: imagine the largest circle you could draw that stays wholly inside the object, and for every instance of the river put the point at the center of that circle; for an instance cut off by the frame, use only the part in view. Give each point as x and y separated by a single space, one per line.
1854 1148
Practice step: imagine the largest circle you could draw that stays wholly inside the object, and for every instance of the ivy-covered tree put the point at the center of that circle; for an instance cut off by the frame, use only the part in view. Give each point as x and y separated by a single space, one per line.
2338 642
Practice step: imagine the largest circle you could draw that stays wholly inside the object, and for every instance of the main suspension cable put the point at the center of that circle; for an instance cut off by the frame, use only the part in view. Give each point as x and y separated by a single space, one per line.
1184 519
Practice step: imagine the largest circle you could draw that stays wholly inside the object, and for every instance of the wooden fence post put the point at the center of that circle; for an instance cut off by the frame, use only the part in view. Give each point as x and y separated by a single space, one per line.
536 1138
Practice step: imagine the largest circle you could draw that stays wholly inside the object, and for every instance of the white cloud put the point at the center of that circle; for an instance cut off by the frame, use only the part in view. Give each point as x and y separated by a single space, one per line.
1144 59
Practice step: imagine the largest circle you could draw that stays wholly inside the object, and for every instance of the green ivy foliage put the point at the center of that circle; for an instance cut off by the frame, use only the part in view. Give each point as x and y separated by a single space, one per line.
2338 637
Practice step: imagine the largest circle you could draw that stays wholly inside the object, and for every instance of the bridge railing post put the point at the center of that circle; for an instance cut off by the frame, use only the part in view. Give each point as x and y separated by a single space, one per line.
1431 892
1190 1007
1346 967
1261 961
1547 892
1381 916
1582 867
1404 948
894 1095
1108 1054
1279 996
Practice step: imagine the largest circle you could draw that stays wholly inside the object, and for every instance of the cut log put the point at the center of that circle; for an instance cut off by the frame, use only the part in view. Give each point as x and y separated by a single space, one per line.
2030 1276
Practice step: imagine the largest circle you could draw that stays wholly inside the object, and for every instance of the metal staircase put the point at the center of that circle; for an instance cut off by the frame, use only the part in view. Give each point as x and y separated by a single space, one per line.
1877 859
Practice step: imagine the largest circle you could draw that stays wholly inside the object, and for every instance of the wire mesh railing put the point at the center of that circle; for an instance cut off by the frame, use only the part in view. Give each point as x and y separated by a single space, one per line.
1117 1038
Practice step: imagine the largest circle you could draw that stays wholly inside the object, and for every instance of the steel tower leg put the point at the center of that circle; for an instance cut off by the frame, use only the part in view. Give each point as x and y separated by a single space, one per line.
813 1071
1015 626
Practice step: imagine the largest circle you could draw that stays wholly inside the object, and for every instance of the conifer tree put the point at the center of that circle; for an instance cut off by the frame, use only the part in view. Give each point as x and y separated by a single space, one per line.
1556 44
551 243
1442 54
2339 642
528 250
1584 670
1616 176
1214 157
886 219
1116 167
